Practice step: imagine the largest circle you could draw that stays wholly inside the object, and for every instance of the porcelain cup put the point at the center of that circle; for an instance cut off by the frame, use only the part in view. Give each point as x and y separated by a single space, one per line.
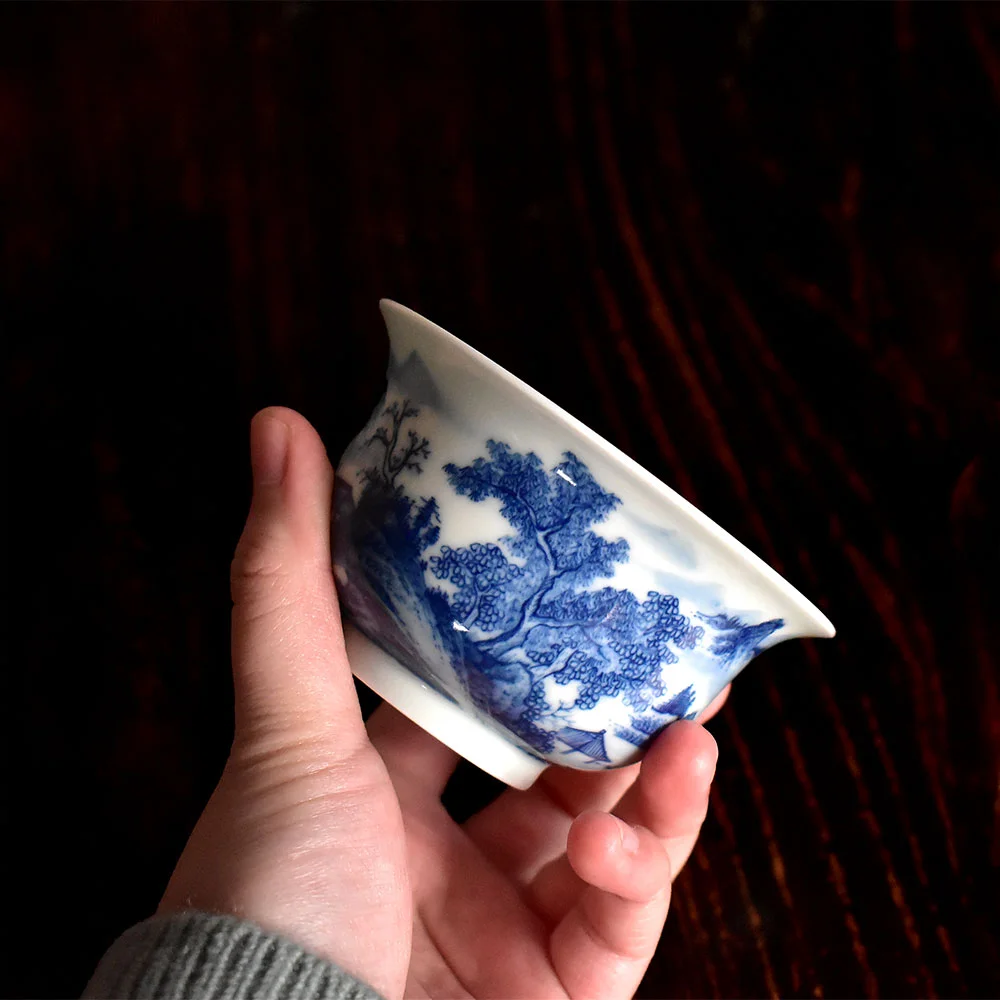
522 589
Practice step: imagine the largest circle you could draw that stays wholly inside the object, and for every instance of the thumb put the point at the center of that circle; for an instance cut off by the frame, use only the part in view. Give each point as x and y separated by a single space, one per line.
290 670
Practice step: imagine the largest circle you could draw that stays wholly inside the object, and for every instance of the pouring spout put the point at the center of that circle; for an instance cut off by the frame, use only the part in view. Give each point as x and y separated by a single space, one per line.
803 620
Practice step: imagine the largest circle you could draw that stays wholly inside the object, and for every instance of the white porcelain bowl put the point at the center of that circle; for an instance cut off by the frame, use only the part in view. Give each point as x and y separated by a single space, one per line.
522 589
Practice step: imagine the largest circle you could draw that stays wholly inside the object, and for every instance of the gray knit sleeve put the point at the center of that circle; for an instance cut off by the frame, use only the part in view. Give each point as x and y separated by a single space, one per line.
203 956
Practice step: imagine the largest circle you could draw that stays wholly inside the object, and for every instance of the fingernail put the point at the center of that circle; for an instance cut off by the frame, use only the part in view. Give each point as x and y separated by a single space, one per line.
629 837
268 449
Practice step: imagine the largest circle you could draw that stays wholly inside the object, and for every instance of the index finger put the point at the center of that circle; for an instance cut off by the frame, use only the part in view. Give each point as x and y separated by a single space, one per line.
523 831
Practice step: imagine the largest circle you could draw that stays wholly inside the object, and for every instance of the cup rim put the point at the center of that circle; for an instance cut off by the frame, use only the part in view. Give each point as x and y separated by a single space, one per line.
820 626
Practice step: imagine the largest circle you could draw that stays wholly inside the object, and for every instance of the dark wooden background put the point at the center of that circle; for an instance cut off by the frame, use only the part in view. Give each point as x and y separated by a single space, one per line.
757 246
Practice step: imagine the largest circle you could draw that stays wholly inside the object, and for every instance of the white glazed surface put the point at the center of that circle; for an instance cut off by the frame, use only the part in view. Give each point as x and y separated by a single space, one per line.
456 401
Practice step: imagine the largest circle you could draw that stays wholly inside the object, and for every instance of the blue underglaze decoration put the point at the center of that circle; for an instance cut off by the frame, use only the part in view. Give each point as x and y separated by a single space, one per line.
413 381
528 632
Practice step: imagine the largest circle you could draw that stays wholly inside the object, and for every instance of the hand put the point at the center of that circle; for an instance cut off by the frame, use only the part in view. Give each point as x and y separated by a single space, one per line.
336 837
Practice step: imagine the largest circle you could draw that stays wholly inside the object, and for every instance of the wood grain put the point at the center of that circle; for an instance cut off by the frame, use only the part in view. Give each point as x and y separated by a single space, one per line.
757 246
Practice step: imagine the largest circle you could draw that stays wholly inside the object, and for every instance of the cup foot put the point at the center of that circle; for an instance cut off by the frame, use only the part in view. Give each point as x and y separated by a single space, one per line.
444 720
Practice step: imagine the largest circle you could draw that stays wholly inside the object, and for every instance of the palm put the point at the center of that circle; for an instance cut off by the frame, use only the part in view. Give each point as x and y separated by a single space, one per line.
500 909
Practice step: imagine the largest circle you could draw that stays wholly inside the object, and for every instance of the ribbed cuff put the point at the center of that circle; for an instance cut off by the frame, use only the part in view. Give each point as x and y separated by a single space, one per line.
203 956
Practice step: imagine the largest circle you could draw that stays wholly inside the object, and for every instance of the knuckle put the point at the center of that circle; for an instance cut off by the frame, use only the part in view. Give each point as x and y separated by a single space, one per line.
255 565
305 773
